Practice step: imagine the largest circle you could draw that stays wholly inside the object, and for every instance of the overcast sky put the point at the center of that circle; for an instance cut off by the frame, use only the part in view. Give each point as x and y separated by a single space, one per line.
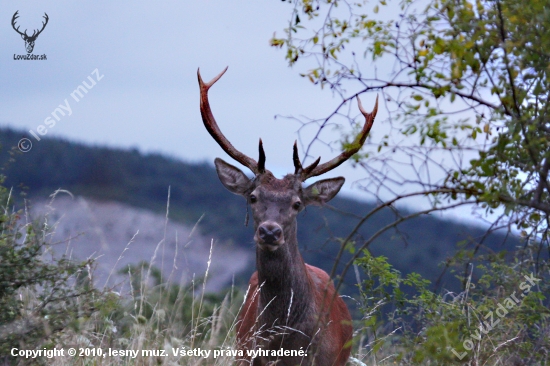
146 56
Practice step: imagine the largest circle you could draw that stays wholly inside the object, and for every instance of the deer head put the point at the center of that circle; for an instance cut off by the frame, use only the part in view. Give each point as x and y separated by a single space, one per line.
29 40
276 202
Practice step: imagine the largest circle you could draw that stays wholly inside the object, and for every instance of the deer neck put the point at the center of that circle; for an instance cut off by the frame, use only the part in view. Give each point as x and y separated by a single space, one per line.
286 286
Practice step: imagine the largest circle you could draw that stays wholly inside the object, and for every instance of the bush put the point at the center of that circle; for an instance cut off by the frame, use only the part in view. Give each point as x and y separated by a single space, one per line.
49 301
41 294
501 318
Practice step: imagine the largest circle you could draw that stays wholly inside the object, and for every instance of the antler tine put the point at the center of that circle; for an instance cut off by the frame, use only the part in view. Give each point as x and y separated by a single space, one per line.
355 146
298 168
310 167
261 159
13 20
43 23
212 128
297 164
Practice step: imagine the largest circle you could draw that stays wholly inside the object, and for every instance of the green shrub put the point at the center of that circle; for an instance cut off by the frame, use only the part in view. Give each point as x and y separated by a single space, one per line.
41 294
501 318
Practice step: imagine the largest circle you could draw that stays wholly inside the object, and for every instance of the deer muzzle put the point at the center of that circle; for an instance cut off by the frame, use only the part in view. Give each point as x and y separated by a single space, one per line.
269 236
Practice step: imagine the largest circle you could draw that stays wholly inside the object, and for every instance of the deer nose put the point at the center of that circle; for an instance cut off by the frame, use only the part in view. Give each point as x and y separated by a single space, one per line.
270 233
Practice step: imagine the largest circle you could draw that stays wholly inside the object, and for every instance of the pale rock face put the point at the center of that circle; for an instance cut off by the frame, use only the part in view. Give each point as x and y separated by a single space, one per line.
118 235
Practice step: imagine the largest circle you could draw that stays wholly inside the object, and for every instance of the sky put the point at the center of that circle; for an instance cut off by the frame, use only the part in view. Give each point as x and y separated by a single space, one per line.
144 57
141 61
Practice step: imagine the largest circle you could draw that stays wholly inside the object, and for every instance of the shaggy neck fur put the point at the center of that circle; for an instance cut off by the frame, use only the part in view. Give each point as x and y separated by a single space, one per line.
286 285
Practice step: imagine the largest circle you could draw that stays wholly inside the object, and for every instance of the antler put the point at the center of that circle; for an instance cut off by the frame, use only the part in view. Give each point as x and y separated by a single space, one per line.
43 26
13 19
298 169
212 127
34 34
315 169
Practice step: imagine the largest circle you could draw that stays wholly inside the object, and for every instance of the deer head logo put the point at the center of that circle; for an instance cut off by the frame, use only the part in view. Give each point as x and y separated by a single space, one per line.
29 40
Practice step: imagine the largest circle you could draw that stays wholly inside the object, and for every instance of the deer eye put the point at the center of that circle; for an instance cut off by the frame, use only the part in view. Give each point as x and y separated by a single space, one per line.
297 205
253 198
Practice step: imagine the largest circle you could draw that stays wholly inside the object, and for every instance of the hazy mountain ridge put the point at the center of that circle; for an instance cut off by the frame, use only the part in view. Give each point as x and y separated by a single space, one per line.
119 235
142 181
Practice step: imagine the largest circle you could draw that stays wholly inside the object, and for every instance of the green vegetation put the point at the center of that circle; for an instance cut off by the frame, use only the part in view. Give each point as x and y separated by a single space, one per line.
470 83
465 89
501 319
466 102
48 302
41 296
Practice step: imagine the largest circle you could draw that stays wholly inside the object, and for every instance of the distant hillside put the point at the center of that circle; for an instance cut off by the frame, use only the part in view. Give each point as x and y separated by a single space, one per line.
119 235
142 180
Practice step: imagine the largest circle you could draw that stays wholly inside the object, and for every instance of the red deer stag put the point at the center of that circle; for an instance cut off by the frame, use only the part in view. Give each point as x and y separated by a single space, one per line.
290 305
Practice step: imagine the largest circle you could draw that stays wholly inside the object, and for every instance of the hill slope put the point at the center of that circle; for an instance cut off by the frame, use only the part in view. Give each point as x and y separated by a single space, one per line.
119 235
142 181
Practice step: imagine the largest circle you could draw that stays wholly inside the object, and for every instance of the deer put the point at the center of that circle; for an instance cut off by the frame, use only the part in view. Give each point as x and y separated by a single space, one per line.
29 40
290 305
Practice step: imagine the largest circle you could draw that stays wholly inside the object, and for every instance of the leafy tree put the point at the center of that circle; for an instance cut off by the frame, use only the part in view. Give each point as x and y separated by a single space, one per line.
465 88
466 98
486 58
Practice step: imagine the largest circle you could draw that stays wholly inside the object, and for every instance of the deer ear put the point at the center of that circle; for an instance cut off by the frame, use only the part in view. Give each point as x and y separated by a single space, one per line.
232 177
322 191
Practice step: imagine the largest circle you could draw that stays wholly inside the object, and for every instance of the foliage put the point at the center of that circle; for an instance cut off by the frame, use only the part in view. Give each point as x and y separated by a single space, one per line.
49 301
501 319
465 88
171 306
41 295
468 82
152 314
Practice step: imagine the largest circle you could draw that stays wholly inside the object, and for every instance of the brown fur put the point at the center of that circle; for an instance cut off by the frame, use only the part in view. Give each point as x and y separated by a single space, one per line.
335 340
290 305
